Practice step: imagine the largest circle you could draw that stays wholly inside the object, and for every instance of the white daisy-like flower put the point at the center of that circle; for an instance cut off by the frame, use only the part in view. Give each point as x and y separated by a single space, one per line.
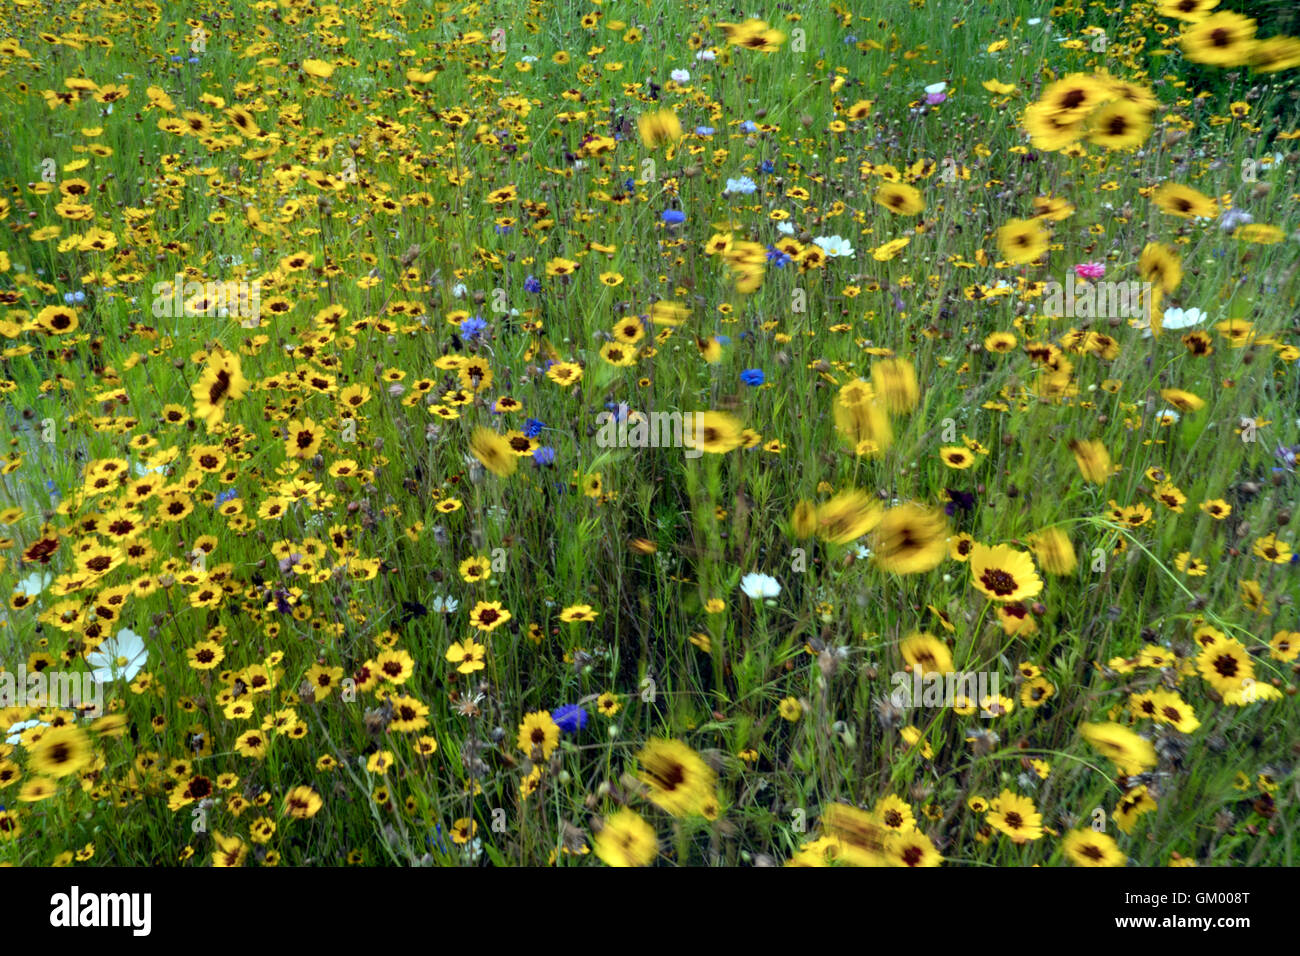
834 246
758 586
15 731
34 584
1182 318
444 605
123 655
142 470
681 76
939 87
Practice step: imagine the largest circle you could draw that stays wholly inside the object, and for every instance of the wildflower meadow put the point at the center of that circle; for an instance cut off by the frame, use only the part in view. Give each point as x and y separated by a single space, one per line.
548 433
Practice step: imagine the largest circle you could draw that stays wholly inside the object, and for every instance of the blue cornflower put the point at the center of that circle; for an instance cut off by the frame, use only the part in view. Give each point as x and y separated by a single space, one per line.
620 410
629 184
544 456
753 376
227 495
704 131
502 230
744 185
673 216
570 718
749 126
777 257
472 327
723 339
767 166
435 839
533 427
532 284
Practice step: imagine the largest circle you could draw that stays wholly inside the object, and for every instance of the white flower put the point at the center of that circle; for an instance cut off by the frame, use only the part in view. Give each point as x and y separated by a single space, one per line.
785 228
121 656
681 76
528 58
834 246
444 605
1167 416
141 470
1232 218
15 731
1182 319
758 586
34 584
1034 21
458 290
937 87
707 56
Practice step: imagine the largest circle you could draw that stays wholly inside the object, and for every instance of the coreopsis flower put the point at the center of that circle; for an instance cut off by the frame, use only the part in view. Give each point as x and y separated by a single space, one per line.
1093 460
60 751
910 539
494 452
1130 753
926 653
1016 816
678 779
845 517
1054 551
302 803
658 128
1092 848
1221 39
539 735
1021 241
1184 201
712 432
625 839
222 381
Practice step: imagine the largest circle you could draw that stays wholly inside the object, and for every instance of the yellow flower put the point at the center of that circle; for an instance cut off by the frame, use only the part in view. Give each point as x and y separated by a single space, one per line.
678 779
494 452
1091 848
467 655
1021 241
626 840
539 735
1016 816
317 68
658 128
1093 460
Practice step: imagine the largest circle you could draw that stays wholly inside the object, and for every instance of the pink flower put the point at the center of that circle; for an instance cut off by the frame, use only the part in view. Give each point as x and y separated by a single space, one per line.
1090 270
